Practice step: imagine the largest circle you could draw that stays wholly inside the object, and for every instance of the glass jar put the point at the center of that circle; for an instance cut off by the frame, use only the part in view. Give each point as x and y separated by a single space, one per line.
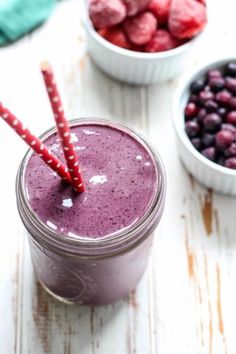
91 271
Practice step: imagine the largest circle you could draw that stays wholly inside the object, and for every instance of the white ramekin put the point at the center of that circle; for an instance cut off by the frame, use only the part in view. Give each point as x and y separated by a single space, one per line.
211 175
134 67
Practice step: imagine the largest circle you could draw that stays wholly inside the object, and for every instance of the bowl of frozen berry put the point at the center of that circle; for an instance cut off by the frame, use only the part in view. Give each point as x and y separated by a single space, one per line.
205 122
142 41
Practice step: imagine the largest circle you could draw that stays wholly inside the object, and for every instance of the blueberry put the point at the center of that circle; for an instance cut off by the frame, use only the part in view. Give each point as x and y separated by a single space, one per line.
230 127
231 151
231 69
205 96
212 122
222 111
224 139
193 98
231 117
208 139
196 143
211 106
192 129
232 102
209 153
190 110
231 163
197 86
201 115
224 98
214 73
230 84
221 160
216 84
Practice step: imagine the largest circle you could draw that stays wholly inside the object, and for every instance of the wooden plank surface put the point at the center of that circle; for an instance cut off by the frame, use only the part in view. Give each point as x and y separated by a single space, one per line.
185 302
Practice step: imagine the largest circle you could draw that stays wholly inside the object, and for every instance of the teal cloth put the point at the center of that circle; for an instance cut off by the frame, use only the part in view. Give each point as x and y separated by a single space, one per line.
18 17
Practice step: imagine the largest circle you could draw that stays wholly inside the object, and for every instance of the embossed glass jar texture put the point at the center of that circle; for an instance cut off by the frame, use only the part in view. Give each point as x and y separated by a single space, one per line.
91 271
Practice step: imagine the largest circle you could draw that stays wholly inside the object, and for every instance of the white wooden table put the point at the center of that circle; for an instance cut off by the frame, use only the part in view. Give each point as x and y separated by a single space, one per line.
186 302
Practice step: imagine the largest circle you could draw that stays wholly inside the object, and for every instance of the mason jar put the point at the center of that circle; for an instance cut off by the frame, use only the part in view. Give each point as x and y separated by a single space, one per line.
91 271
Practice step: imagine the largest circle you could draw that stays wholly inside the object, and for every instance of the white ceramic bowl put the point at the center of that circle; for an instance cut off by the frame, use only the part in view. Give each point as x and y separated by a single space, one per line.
134 67
210 174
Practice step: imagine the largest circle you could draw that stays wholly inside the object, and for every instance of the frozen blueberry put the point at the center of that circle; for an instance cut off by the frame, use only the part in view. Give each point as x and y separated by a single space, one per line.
201 115
217 84
205 96
232 103
231 163
224 139
197 86
193 98
231 117
230 84
231 69
209 153
211 106
230 127
190 110
224 97
214 73
231 151
222 111
221 160
196 143
192 129
212 122
208 139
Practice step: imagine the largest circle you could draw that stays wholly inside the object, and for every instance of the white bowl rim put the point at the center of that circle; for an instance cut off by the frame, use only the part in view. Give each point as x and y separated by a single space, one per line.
131 53
178 117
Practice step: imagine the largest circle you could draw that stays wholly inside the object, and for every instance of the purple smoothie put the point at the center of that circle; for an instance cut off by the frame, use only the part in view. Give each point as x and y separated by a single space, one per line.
92 248
120 180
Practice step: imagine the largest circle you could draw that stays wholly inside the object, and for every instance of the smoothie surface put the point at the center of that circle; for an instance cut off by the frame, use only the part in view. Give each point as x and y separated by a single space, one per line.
120 180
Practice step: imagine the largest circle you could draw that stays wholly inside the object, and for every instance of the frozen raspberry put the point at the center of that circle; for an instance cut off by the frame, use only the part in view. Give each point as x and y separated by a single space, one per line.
202 2
161 41
139 29
116 36
187 18
105 13
160 9
133 7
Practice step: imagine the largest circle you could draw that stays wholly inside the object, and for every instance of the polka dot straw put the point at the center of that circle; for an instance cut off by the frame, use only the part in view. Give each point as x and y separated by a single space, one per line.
40 149
62 127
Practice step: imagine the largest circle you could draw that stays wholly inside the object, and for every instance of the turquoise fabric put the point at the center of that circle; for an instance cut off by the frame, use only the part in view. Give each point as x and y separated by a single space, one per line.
18 17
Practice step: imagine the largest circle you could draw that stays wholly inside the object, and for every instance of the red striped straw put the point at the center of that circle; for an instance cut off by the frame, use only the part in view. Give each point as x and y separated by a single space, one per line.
62 127
37 145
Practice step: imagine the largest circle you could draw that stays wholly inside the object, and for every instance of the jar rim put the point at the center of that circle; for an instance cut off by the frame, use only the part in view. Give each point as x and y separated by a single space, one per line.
85 244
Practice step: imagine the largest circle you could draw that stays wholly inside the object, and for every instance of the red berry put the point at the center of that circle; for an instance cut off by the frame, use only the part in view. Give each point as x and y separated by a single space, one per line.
160 9
133 7
105 13
187 18
161 41
139 29
116 36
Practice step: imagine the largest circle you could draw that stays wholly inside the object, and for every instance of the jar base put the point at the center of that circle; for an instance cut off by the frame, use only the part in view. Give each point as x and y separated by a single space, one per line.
58 298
